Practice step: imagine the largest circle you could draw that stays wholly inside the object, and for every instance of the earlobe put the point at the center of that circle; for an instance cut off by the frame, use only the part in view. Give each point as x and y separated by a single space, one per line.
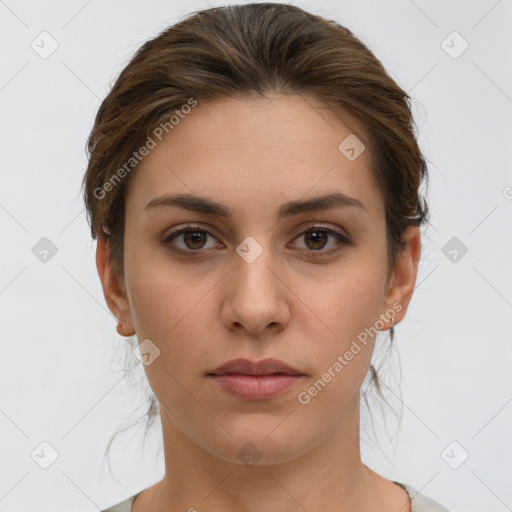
403 278
113 289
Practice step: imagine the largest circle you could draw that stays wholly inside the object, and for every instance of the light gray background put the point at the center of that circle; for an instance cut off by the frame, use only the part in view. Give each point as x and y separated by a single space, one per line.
60 377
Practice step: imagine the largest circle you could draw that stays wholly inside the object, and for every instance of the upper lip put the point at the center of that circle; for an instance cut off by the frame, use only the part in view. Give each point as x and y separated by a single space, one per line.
263 367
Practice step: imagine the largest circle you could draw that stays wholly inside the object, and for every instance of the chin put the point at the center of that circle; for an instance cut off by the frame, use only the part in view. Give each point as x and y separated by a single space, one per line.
264 443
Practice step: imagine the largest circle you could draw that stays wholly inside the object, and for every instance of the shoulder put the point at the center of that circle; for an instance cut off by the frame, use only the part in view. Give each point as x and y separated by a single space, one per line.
420 502
124 506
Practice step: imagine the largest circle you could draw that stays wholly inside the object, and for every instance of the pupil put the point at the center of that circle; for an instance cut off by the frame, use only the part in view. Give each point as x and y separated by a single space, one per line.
195 235
316 234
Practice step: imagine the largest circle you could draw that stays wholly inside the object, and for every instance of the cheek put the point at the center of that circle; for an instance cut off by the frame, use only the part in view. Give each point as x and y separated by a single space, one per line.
348 305
343 354
168 311
170 308
158 292
346 315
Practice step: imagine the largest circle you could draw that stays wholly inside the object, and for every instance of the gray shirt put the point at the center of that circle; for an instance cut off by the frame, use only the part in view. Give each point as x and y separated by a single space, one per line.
419 502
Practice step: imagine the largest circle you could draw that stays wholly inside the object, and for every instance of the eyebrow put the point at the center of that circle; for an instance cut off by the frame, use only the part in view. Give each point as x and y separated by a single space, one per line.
288 209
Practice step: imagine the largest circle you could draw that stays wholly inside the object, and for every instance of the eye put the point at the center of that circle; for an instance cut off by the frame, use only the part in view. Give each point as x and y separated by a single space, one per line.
194 238
316 239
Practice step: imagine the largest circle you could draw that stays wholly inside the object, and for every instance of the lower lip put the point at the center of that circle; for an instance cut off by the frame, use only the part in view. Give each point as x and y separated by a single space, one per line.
253 387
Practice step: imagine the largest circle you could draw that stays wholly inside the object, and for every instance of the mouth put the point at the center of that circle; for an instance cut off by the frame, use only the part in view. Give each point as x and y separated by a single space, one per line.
255 368
256 380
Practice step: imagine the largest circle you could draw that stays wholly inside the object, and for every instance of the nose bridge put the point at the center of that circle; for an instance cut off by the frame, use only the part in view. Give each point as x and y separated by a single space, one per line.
255 298
253 268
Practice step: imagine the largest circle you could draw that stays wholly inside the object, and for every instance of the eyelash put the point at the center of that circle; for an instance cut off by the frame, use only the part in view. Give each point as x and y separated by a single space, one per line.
342 240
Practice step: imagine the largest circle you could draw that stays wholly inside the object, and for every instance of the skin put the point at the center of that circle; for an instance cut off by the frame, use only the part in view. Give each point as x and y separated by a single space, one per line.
252 156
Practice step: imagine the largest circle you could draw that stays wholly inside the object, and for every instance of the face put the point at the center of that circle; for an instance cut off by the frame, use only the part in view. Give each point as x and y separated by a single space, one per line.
268 279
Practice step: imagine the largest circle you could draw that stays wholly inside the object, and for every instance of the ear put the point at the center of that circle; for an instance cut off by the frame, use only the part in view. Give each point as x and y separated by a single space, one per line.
403 277
113 289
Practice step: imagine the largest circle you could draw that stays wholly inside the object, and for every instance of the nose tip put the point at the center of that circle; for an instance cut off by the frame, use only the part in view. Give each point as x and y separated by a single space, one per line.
256 299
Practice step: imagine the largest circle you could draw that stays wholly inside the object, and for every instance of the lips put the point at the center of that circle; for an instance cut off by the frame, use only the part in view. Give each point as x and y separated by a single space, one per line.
256 380
255 368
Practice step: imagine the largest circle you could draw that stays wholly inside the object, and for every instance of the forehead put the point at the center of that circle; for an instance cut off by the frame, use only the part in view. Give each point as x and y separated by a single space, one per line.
273 120
241 147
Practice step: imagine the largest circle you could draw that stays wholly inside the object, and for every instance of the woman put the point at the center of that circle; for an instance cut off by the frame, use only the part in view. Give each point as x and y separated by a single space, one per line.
253 184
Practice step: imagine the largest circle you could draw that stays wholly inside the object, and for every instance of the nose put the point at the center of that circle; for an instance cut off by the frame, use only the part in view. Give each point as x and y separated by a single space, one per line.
256 296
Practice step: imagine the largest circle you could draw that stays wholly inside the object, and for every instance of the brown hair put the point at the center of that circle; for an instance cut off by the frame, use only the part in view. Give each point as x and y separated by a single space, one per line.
249 50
